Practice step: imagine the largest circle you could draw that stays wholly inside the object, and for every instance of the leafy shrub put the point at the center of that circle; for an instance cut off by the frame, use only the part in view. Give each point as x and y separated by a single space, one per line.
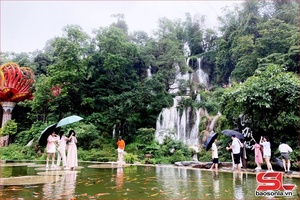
130 158
11 152
33 133
144 135
204 156
178 156
203 123
132 148
149 161
96 155
88 136
9 128
163 160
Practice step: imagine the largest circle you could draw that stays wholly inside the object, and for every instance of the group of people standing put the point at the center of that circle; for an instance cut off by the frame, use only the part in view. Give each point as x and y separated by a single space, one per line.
261 150
62 143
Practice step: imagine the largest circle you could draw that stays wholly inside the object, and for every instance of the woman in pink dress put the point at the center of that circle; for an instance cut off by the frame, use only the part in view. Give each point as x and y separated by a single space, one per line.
51 148
258 156
72 151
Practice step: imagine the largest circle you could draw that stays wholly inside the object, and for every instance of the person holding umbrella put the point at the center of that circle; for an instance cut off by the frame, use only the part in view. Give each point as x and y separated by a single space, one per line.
72 161
214 155
51 148
236 151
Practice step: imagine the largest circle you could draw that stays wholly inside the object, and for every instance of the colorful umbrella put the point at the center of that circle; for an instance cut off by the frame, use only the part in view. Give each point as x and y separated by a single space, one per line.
69 120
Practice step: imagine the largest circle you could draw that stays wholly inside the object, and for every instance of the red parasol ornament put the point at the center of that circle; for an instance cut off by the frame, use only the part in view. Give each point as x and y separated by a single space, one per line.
15 86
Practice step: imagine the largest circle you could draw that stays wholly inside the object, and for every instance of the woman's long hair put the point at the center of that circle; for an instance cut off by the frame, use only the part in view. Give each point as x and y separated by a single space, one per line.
61 133
70 133
267 138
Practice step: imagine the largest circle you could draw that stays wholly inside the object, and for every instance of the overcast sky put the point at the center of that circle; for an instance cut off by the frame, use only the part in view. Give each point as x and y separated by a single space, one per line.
27 25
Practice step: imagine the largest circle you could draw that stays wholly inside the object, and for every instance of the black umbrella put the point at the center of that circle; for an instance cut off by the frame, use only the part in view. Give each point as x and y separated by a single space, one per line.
229 133
210 140
46 132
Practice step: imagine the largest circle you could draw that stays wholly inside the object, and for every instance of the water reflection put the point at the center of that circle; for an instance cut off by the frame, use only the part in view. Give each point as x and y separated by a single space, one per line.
120 178
108 181
179 182
216 183
238 185
62 188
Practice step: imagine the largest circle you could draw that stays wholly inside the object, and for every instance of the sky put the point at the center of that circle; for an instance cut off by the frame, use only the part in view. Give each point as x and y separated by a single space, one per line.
26 26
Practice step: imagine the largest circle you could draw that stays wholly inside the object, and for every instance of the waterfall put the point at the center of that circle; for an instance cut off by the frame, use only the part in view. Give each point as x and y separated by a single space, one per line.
180 77
188 61
114 132
198 98
202 77
167 122
213 121
170 123
149 74
177 124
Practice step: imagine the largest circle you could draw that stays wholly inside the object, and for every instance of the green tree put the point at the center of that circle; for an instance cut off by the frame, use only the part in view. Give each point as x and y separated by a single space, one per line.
40 105
256 34
69 70
116 79
194 28
270 97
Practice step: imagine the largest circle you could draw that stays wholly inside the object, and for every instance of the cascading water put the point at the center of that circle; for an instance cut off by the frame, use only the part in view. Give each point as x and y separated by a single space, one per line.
174 88
149 74
182 125
200 75
178 126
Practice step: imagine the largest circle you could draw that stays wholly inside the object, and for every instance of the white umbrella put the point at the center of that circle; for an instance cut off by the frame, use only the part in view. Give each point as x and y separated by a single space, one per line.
68 120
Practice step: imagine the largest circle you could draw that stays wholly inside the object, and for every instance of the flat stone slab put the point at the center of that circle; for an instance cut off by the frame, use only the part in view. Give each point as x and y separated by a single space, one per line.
55 169
57 173
15 164
105 166
36 165
28 180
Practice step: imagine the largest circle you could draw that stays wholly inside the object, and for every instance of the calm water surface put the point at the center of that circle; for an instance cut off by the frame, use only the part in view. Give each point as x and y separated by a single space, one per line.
107 181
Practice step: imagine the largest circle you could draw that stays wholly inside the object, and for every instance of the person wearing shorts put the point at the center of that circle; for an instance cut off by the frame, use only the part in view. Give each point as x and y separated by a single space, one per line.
214 155
236 151
51 148
285 150
265 143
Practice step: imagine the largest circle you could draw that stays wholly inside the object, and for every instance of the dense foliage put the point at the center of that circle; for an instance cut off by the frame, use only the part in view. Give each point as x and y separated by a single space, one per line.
103 78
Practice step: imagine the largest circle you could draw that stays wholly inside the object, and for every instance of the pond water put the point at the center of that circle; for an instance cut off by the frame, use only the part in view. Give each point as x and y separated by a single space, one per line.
108 181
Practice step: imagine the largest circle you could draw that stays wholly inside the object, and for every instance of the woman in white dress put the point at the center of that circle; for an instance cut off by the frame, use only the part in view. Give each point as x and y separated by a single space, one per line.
61 154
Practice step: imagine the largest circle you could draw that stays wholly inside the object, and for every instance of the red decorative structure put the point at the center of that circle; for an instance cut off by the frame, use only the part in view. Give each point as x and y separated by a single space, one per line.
15 86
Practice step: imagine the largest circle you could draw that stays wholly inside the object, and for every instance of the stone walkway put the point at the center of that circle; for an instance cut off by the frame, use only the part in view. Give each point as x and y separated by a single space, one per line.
227 167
